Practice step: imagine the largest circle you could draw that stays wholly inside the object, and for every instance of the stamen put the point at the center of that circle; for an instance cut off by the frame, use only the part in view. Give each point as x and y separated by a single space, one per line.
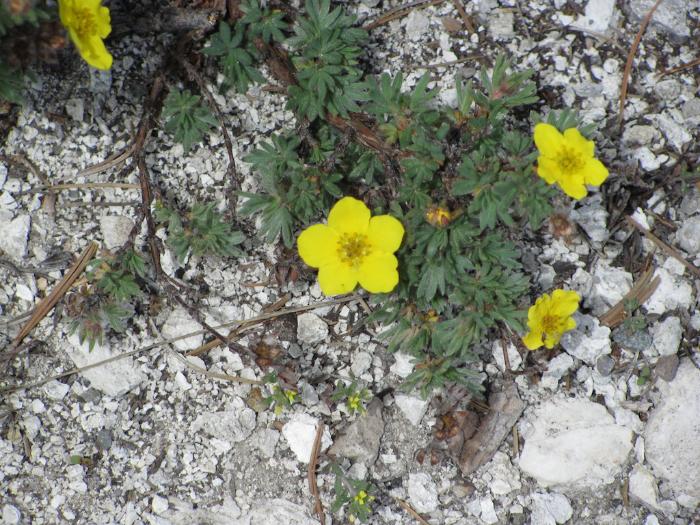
570 160
353 248
85 22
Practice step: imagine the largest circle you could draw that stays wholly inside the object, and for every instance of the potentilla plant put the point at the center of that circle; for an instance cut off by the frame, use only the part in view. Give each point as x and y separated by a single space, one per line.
429 221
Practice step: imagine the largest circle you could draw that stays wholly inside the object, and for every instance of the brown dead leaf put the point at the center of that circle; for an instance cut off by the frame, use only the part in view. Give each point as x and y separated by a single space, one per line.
452 25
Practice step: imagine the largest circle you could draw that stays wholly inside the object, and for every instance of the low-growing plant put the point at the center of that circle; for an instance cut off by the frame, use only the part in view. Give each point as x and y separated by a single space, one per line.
354 494
202 231
187 119
354 397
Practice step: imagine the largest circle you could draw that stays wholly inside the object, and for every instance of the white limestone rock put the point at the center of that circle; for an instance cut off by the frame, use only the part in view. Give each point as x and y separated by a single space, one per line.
403 365
488 511
505 477
412 407
180 323
574 443
311 329
642 488
597 16
300 432
276 512
15 235
115 378
667 335
688 236
514 358
671 434
422 492
672 292
588 341
115 230
556 368
608 286
416 24
671 15
235 424
550 508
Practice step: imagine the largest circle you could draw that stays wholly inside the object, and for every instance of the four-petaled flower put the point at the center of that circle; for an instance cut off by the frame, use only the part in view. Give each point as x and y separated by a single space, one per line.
567 159
550 317
88 23
353 247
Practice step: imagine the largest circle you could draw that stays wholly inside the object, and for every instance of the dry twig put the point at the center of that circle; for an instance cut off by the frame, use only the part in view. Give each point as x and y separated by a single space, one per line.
676 69
405 506
630 60
311 475
640 292
400 11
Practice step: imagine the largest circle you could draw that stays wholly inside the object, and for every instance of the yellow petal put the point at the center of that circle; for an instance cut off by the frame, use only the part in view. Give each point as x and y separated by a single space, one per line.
574 139
595 172
349 215
548 139
551 340
318 245
104 22
548 169
336 279
378 274
385 233
570 324
565 302
573 186
533 340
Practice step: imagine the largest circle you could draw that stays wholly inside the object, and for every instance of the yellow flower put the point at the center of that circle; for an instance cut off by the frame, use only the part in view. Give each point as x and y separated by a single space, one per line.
290 395
438 216
362 497
550 317
353 248
568 160
88 23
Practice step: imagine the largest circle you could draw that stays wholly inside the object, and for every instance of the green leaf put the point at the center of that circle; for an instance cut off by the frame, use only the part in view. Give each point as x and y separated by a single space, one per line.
186 118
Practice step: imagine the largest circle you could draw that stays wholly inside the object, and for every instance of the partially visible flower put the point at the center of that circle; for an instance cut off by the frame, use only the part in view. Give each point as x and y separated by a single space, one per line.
353 247
88 23
568 160
290 395
550 317
355 402
438 216
362 498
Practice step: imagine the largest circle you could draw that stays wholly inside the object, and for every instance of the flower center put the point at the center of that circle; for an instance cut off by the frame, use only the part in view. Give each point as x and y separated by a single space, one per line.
570 160
352 248
550 324
85 24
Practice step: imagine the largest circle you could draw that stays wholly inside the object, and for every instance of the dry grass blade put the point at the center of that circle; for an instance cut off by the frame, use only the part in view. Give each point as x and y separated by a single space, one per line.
311 474
405 506
112 161
676 69
465 17
630 59
214 375
45 306
640 292
670 250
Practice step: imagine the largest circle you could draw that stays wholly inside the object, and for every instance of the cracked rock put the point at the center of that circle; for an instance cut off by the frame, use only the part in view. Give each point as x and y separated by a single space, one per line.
667 335
361 439
115 230
180 323
573 442
232 425
413 407
588 341
642 488
422 492
688 236
311 329
300 432
550 508
14 238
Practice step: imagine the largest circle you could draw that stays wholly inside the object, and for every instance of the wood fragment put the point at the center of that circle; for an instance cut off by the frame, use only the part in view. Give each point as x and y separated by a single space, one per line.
670 250
642 289
630 60
114 160
45 306
465 17
407 507
311 474
505 409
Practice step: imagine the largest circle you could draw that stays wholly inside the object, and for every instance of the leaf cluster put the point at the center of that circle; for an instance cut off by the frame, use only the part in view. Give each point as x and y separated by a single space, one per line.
352 395
327 47
236 56
355 493
187 118
202 231
9 19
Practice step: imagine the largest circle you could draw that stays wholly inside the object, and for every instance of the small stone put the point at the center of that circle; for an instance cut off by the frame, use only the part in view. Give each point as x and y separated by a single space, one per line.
180 323
115 378
550 509
75 109
159 504
115 230
403 365
641 136
361 361
488 512
269 512
266 440
505 477
592 217
556 368
671 434
10 515
671 15
103 439
422 492
608 286
631 338
671 293
646 158
689 110
642 488
300 433
311 329
14 238
588 341
360 441
55 390
651 519
234 424
413 407
604 365
416 24
501 24
573 442
666 367
688 236
667 335
676 134
598 15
